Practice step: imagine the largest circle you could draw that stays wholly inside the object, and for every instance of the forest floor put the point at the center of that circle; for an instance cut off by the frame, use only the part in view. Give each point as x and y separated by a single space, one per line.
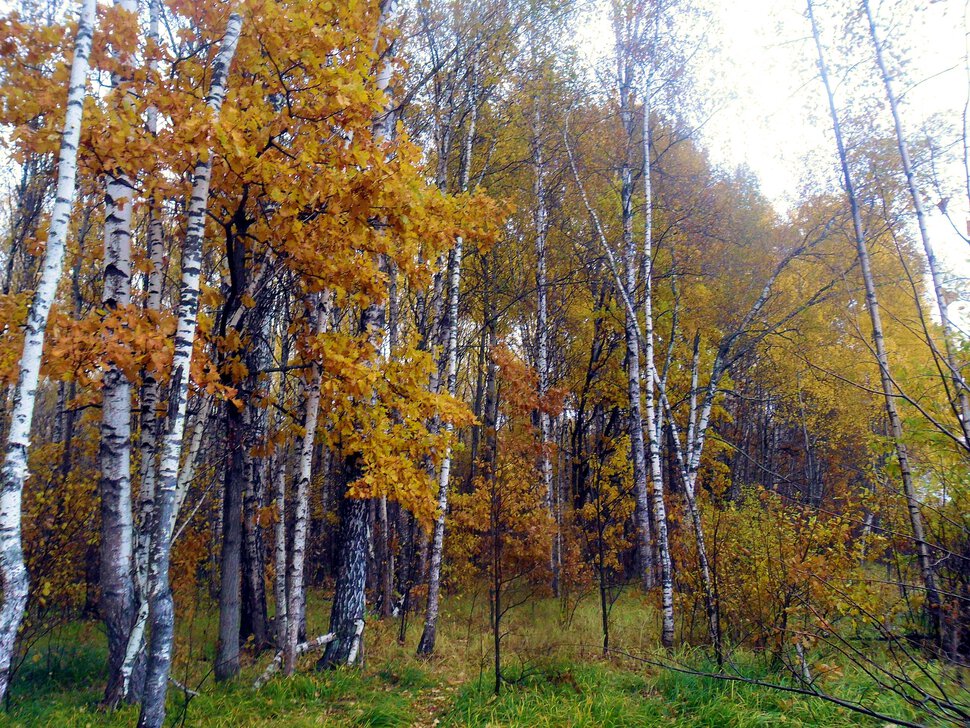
557 677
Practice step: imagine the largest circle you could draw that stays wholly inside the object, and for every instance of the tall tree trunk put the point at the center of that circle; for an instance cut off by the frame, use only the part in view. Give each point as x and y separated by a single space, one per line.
13 571
117 527
347 611
385 555
230 582
542 340
888 388
653 413
255 618
450 328
475 436
160 592
297 596
688 467
134 665
959 395
624 76
277 474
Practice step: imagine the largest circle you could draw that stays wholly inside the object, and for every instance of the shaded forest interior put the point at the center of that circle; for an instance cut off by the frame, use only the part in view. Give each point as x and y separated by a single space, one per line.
411 362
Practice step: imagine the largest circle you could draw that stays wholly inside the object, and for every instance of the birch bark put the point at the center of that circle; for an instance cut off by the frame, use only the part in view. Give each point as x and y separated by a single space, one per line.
625 79
450 327
653 413
278 468
133 667
13 571
347 611
960 398
117 587
297 596
542 339
885 375
160 597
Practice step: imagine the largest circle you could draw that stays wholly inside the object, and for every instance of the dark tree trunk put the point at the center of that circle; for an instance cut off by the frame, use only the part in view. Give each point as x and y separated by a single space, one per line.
348 599
227 656
255 618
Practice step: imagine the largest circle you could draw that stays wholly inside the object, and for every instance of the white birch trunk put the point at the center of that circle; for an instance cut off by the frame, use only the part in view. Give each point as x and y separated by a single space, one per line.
542 340
278 469
280 462
689 479
624 79
135 647
190 460
13 571
872 304
653 414
297 596
117 589
450 325
134 663
160 597
961 401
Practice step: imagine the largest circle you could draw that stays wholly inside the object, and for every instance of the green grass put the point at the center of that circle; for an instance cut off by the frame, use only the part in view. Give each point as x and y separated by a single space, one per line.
556 677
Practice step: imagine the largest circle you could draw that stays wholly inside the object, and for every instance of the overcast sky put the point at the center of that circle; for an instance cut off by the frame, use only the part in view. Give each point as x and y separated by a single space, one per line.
771 114
773 123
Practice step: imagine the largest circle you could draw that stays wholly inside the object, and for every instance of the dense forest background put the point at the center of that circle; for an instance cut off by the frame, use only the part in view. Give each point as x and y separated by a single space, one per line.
423 338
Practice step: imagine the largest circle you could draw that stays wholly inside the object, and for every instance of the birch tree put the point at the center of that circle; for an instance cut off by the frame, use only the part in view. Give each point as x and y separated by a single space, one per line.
296 593
13 572
450 325
627 31
347 612
959 394
924 555
541 223
160 593
654 414
133 666
117 587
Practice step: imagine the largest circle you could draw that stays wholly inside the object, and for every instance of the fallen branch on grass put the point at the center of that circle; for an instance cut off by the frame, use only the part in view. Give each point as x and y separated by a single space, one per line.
184 688
301 649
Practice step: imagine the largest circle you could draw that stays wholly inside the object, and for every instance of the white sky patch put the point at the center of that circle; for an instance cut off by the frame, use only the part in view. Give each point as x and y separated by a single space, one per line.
775 123
769 112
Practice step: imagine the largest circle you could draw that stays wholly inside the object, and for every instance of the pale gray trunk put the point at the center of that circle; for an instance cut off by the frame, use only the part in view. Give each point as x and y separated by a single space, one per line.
542 341
13 571
278 470
133 666
450 328
688 476
160 593
885 376
654 413
621 287
961 401
301 649
635 416
117 528
190 459
301 515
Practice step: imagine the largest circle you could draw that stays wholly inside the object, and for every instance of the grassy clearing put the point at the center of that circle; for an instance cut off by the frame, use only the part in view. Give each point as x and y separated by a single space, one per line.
556 672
